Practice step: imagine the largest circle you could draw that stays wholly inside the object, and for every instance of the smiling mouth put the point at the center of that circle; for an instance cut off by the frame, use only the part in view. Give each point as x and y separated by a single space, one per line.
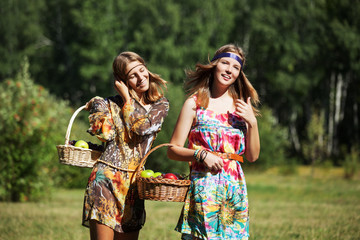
141 83
226 76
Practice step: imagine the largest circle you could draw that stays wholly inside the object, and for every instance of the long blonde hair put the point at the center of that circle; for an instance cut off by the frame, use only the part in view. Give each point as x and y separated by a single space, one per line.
200 81
156 83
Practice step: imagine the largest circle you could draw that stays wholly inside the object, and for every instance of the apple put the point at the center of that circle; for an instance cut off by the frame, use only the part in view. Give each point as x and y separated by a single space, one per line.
81 144
147 173
157 174
170 176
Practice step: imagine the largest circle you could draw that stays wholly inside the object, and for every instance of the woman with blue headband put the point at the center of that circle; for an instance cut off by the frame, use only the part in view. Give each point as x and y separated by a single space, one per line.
219 122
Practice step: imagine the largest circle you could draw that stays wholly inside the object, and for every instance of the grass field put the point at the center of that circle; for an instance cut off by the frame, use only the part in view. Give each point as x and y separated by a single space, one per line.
324 206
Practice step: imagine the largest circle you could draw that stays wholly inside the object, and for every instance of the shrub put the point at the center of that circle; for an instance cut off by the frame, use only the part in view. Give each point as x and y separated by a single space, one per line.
351 164
32 121
273 141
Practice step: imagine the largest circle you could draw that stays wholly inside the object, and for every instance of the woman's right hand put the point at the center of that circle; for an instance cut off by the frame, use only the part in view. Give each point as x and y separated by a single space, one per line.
122 89
213 162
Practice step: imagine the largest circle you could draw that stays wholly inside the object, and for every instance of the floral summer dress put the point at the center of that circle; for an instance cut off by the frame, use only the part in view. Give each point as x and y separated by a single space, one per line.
129 131
216 206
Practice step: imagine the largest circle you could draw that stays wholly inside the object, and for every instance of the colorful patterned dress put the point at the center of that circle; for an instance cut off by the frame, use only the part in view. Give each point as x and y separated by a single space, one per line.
216 206
129 131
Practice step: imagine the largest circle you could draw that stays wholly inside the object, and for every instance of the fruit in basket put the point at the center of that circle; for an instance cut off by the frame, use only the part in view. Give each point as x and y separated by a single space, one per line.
147 173
157 174
170 176
96 147
81 144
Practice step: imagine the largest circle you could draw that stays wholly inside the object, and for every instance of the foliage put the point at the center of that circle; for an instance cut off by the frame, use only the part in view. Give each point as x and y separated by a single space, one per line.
294 54
352 163
314 149
273 141
31 123
301 55
21 34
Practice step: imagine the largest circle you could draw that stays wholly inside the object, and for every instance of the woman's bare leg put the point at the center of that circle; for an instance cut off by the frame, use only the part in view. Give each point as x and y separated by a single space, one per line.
126 236
100 231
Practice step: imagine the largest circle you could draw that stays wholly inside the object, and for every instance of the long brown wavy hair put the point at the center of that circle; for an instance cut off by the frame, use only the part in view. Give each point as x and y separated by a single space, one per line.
156 83
199 81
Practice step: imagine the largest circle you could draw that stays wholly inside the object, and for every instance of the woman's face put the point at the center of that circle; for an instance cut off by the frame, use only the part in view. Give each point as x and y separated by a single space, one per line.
226 72
137 77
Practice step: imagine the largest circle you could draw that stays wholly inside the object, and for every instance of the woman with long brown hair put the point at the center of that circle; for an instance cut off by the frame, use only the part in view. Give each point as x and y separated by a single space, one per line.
128 123
219 122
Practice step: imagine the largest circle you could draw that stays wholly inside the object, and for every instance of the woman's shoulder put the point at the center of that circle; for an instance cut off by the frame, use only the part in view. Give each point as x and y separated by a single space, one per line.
190 103
96 104
163 101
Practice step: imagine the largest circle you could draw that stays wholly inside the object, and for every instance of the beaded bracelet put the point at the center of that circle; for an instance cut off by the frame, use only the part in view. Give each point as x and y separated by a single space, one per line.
196 155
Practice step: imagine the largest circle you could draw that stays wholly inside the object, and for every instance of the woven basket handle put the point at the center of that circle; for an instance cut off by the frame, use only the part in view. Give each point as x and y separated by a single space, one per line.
143 160
67 136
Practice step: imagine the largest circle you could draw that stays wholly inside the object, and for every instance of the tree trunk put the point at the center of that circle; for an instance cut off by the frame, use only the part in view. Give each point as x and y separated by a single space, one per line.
338 93
331 114
356 121
293 132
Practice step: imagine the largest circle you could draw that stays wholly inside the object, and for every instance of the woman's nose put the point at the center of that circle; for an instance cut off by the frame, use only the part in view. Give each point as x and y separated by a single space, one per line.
138 76
228 69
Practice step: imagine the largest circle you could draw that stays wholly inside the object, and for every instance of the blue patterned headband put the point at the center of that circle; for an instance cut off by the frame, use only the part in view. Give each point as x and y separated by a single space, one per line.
226 54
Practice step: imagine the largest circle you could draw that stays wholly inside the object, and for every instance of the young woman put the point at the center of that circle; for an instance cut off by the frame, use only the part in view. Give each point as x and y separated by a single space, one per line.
128 123
219 121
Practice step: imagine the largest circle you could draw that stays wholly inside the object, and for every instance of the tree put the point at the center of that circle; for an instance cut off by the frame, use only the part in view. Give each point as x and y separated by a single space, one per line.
340 58
20 34
281 55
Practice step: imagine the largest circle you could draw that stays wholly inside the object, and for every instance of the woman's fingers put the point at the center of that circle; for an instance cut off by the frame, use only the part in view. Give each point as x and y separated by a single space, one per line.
213 162
122 89
244 109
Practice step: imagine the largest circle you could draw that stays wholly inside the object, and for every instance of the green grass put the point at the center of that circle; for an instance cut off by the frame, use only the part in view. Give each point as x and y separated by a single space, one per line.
281 207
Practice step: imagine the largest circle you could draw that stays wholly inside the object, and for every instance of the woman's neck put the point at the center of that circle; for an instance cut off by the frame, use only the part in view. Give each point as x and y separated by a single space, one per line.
219 92
221 102
142 102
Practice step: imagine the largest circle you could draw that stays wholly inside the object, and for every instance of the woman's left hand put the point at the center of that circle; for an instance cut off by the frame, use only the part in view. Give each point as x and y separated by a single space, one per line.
244 110
122 89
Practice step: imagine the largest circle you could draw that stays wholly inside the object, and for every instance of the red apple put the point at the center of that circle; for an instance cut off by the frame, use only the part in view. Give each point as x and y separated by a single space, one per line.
170 176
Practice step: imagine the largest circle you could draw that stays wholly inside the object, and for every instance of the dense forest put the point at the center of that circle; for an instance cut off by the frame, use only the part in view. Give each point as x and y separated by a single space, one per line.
303 57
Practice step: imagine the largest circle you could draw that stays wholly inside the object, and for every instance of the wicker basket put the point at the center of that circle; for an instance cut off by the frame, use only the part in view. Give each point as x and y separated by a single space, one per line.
75 156
160 189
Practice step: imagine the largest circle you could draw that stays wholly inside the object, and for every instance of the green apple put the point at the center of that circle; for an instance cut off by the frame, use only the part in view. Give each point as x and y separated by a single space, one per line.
81 144
156 174
147 173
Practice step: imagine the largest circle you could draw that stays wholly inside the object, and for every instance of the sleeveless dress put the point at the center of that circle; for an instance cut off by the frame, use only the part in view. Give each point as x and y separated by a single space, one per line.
216 206
129 131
